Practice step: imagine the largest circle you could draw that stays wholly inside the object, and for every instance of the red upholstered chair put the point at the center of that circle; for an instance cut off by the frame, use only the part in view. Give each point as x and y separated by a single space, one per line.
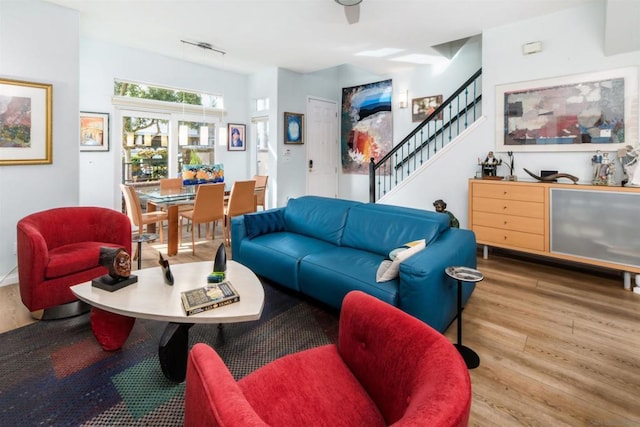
59 248
388 368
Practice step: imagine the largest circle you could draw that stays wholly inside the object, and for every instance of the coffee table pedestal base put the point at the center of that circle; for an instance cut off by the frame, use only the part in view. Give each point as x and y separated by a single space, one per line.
110 329
173 351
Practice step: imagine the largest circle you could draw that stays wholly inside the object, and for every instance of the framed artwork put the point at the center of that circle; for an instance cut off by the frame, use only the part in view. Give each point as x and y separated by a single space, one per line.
587 112
236 137
25 123
366 126
421 108
293 128
94 131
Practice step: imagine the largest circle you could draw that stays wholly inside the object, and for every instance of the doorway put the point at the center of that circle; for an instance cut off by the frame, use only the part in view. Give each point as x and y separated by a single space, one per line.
322 147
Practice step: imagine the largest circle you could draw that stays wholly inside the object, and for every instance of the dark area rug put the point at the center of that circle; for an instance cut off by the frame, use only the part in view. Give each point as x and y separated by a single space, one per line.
54 373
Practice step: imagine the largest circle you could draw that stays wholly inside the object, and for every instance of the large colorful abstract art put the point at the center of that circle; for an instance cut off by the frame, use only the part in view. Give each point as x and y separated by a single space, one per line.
366 125
573 113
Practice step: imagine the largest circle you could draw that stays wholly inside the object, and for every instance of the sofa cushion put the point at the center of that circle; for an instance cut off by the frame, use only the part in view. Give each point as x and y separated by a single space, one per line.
329 275
390 270
265 222
73 258
321 217
277 394
382 228
276 256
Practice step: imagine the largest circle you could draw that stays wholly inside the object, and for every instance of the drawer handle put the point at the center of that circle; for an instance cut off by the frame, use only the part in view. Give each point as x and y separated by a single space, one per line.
505 237
504 207
505 223
505 193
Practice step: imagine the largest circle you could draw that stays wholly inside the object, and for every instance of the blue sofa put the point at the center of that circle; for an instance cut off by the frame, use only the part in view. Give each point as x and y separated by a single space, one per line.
325 247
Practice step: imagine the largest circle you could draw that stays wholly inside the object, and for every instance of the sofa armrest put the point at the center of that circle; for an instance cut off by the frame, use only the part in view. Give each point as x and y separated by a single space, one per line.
212 396
425 291
238 233
239 230
413 373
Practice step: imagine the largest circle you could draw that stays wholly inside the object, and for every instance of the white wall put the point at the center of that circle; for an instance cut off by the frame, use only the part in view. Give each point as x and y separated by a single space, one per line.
101 63
572 44
39 43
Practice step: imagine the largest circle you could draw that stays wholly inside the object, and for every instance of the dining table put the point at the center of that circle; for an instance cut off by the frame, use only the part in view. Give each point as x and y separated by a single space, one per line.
171 201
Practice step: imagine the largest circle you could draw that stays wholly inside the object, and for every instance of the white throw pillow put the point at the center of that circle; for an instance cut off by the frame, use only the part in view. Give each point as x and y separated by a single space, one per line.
389 270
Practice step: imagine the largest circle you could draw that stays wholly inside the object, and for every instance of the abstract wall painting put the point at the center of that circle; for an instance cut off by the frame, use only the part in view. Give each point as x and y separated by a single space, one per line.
25 122
366 125
594 111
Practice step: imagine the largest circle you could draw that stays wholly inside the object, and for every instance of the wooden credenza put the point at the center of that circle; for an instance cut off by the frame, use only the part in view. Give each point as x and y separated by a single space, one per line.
597 225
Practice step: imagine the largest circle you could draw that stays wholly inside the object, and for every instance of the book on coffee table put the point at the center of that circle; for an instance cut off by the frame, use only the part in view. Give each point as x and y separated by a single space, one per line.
208 297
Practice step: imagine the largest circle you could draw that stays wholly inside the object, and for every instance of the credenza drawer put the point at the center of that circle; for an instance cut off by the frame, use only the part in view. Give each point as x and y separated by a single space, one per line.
508 207
509 238
509 222
525 193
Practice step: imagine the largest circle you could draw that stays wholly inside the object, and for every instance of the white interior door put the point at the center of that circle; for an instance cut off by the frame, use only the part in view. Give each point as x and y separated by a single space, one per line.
322 147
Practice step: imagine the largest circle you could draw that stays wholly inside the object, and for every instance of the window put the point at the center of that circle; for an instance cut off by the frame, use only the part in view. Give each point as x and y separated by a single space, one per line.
164 129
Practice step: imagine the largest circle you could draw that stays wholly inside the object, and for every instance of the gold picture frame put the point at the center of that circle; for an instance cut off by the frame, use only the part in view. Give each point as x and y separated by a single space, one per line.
25 123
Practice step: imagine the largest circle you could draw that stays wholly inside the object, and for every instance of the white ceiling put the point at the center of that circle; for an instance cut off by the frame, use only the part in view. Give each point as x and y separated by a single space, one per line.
299 35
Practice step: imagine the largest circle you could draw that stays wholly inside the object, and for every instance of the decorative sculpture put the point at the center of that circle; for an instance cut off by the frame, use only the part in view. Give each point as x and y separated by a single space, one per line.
118 262
603 169
490 166
553 177
511 176
219 266
166 270
441 207
629 159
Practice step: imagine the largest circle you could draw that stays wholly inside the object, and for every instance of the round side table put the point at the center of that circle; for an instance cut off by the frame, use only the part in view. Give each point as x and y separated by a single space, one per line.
139 239
464 274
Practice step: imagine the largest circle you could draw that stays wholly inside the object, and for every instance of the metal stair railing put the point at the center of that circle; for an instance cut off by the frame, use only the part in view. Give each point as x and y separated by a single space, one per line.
455 114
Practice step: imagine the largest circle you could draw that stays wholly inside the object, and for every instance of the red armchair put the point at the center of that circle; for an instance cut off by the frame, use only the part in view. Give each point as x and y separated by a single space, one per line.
388 368
59 248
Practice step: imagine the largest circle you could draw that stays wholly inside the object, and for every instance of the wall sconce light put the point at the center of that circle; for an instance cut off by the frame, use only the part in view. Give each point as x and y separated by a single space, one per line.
403 99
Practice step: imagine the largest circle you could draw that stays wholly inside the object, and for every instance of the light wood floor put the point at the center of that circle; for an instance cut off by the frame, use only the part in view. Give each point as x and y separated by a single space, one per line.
558 346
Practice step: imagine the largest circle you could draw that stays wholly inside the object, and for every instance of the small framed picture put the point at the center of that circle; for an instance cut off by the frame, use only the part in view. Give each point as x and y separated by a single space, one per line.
236 137
421 108
94 131
293 128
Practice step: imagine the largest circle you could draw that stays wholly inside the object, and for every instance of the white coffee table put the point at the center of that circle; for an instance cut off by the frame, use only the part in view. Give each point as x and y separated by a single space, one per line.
113 313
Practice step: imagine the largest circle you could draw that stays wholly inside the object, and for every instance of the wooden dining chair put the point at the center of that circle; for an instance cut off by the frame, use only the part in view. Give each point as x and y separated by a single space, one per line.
207 208
170 185
261 190
139 219
242 200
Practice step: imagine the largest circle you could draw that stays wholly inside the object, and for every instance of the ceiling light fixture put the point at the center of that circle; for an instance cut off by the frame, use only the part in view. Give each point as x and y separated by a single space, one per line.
348 2
206 46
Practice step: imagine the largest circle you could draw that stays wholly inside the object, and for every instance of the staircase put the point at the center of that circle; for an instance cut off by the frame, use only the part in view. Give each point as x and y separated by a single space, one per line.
451 118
